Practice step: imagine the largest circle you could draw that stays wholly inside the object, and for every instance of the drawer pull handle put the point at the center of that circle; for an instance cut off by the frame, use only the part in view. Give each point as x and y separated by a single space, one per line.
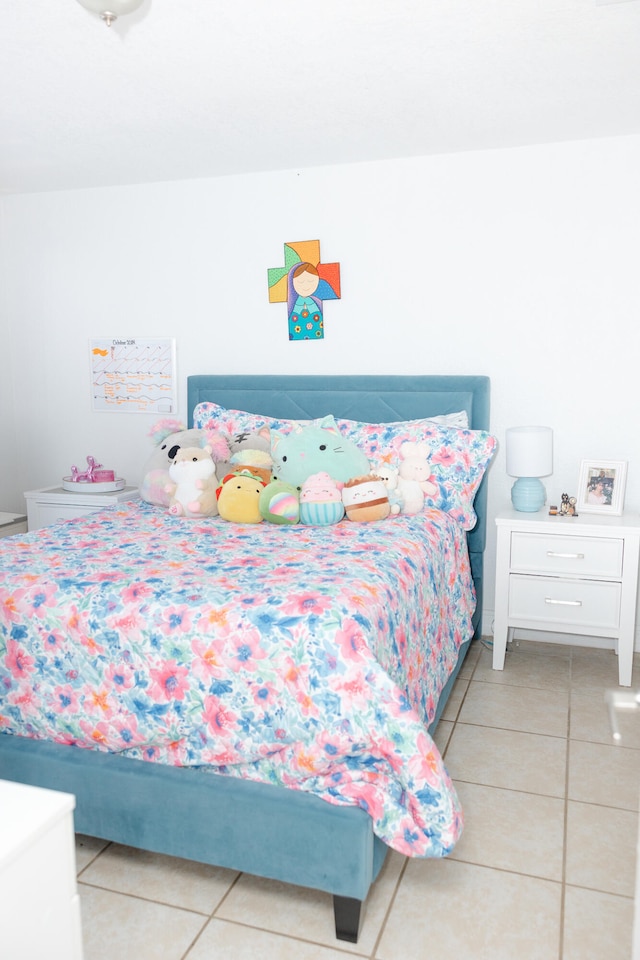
565 556
566 603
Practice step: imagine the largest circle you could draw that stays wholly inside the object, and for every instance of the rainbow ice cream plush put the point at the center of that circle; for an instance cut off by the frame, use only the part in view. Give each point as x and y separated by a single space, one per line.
320 500
280 503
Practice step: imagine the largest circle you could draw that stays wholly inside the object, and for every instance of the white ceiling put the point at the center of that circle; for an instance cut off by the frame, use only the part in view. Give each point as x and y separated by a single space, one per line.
200 88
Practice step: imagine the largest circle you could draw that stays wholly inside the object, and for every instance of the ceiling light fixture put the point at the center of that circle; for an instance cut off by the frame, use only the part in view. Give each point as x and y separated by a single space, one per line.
110 10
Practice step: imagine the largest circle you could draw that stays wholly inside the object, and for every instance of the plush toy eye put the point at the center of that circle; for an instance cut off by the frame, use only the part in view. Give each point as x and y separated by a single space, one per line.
323 446
284 459
195 459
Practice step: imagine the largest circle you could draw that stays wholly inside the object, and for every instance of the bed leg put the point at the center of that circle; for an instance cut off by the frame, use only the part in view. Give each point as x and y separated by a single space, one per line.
347 915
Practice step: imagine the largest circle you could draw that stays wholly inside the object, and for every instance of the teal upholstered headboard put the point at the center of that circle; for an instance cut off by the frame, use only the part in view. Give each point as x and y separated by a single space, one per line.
369 398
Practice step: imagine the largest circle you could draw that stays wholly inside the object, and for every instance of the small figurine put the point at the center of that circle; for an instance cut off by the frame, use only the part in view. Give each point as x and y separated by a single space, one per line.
87 476
553 510
568 506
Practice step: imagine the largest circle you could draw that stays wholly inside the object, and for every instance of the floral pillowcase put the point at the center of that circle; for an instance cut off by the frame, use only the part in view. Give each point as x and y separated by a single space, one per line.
458 456
212 416
458 459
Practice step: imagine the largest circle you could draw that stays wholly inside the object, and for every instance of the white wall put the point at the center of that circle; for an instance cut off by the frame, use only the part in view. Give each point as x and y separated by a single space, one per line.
520 264
10 462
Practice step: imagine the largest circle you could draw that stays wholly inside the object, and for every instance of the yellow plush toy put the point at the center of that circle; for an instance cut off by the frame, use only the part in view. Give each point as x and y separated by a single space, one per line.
239 497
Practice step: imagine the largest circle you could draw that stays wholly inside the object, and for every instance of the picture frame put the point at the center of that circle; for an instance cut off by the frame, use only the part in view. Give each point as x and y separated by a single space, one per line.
601 487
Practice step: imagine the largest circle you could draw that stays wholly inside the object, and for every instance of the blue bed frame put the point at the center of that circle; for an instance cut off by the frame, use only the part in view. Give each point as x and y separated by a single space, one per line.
251 827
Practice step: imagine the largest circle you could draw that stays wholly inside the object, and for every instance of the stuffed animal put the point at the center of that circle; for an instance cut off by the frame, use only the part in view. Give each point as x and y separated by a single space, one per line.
414 476
320 500
192 490
365 498
389 476
239 498
315 449
169 436
280 503
257 462
249 451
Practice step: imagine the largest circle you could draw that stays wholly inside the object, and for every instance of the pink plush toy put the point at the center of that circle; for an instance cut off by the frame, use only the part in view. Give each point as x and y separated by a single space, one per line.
320 500
415 480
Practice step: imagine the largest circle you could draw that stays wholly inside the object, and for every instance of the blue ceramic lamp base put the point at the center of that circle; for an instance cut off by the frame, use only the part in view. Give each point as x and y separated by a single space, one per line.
528 494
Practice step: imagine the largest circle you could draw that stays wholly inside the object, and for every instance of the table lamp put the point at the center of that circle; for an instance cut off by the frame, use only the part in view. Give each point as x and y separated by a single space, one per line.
529 457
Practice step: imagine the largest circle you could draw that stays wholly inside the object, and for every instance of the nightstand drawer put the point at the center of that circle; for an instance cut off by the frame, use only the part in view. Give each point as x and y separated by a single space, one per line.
55 504
566 555
49 513
587 603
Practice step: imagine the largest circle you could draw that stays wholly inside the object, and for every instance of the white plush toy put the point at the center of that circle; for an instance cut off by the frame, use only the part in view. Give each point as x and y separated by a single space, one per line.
193 483
169 436
414 476
389 476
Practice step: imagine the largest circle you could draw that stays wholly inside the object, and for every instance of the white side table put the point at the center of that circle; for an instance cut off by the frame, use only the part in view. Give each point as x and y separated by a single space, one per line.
51 504
11 523
574 575
39 902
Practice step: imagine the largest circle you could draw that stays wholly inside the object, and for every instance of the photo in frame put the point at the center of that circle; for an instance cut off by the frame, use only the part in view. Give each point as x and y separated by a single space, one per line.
601 486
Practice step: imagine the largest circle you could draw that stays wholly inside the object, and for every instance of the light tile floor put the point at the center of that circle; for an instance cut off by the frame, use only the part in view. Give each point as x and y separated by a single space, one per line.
545 869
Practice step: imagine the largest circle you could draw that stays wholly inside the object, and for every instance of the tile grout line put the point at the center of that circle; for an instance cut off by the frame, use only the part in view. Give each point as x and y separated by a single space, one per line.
565 826
143 899
211 916
390 905
92 860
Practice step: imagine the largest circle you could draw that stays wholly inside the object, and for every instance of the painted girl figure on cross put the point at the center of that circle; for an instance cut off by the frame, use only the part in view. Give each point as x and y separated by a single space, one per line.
303 309
304 283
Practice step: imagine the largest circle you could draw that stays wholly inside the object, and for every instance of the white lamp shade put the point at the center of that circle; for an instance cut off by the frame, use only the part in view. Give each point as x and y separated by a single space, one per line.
529 451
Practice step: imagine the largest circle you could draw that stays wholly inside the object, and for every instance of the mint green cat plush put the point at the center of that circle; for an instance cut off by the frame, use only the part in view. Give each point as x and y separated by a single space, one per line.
313 449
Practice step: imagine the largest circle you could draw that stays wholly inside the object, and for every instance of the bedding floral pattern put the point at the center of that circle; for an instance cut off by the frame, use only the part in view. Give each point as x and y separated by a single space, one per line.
458 457
307 657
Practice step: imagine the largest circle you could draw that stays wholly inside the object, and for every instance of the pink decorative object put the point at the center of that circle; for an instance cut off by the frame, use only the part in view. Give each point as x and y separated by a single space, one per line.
88 476
104 476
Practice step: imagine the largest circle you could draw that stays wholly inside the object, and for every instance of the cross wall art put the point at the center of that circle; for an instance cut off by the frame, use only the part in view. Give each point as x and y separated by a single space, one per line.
304 283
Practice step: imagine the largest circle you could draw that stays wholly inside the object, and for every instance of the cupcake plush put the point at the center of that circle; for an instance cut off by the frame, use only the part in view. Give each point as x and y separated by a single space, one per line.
320 500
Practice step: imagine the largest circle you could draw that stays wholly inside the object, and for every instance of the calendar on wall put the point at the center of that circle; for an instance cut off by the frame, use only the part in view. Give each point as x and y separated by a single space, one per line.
134 375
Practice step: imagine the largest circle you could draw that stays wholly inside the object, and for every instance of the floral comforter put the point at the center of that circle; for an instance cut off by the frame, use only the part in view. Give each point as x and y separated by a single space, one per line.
310 657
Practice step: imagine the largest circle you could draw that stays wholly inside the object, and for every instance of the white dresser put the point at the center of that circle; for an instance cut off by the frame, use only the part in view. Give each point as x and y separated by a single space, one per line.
52 504
576 575
39 903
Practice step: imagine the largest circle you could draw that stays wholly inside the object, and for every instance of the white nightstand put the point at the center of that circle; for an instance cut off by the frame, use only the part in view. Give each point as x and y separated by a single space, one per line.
11 523
574 575
39 903
52 504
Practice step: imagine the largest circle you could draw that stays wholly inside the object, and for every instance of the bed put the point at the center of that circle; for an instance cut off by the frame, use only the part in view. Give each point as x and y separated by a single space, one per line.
326 826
